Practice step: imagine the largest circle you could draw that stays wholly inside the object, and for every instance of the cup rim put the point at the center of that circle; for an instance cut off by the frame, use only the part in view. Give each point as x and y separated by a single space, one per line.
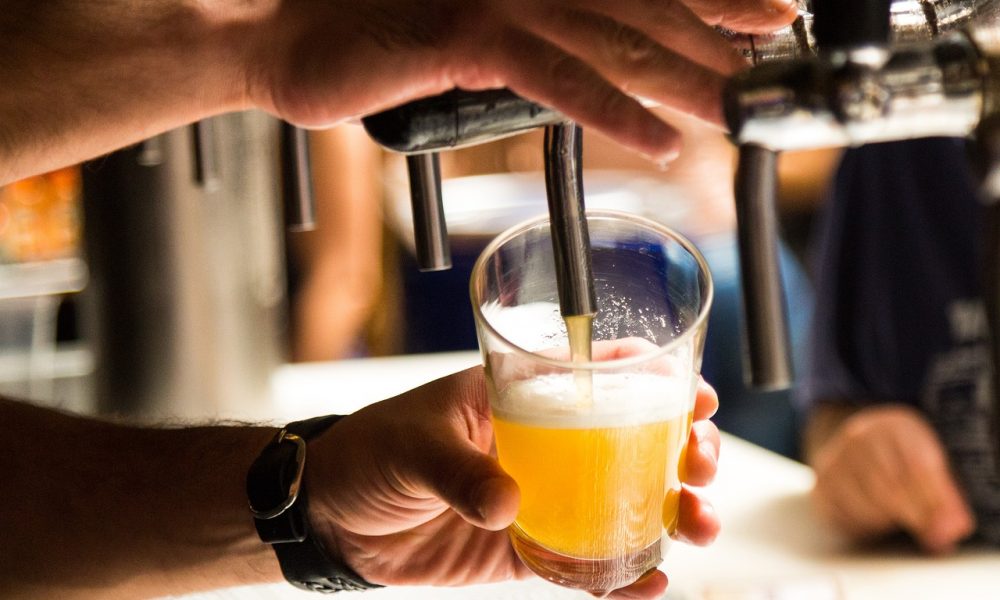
593 365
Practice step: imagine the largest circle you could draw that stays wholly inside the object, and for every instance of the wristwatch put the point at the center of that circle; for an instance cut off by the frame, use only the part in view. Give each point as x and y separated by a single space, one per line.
278 502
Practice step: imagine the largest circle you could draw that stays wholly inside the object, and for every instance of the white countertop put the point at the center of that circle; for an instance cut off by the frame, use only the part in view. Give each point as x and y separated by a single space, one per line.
770 548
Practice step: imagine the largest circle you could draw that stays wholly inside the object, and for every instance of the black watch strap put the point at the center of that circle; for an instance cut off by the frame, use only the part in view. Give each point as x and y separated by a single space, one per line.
278 500
306 566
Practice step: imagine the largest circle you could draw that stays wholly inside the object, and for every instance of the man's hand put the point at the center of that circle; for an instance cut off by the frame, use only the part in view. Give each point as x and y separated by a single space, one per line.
408 492
884 469
319 63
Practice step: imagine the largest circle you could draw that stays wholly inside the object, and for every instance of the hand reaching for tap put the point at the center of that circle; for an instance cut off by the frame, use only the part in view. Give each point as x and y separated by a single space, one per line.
587 58
93 76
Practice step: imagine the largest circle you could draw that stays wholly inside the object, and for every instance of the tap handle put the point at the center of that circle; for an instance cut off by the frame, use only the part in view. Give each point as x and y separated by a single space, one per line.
851 23
568 219
765 325
456 118
296 179
430 230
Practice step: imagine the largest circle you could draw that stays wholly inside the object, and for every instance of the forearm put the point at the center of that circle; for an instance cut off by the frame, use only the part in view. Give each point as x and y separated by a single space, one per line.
80 78
91 509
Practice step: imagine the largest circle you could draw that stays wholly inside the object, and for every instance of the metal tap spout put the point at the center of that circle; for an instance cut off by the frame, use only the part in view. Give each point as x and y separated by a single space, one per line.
430 230
568 219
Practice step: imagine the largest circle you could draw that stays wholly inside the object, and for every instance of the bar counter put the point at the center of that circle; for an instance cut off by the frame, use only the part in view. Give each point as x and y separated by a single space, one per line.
771 546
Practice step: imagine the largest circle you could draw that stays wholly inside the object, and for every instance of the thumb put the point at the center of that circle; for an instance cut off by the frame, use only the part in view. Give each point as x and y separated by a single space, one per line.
471 482
447 457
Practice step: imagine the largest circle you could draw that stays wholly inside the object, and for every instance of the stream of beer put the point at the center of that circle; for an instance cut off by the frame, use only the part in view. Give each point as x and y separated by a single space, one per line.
579 330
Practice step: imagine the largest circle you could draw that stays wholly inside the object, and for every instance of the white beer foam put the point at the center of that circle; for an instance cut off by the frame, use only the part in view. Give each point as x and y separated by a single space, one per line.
534 326
619 400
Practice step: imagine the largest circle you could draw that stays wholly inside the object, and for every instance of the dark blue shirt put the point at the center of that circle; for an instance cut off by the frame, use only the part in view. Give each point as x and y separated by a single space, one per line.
898 315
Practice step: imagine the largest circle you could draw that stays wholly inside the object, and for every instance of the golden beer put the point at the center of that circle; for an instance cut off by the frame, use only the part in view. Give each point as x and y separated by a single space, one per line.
599 481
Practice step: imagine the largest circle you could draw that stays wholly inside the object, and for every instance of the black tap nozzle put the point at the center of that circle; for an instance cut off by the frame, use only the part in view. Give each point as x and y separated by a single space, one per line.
568 219
296 179
430 230
765 319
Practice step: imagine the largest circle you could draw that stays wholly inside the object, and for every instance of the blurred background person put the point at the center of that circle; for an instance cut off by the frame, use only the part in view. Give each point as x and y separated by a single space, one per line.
898 397
335 273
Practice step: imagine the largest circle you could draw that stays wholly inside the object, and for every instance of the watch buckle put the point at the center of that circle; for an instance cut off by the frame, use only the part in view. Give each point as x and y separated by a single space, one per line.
295 486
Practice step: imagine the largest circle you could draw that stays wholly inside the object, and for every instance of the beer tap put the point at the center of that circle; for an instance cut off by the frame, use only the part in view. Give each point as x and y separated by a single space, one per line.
852 72
430 230
765 322
852 37
852 95
460 118
296 179
452 120
939 79
568 218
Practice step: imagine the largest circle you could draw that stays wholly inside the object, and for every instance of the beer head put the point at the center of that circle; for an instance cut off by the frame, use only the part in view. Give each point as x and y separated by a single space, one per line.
619 400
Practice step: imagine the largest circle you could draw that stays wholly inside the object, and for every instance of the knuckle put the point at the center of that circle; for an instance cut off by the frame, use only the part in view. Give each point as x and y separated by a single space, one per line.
612 106
928 459
632 48
637 50
855 431
564 72
620 47
627 53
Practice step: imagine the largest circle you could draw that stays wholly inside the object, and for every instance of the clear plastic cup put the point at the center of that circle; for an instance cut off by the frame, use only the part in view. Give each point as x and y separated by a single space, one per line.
596 447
